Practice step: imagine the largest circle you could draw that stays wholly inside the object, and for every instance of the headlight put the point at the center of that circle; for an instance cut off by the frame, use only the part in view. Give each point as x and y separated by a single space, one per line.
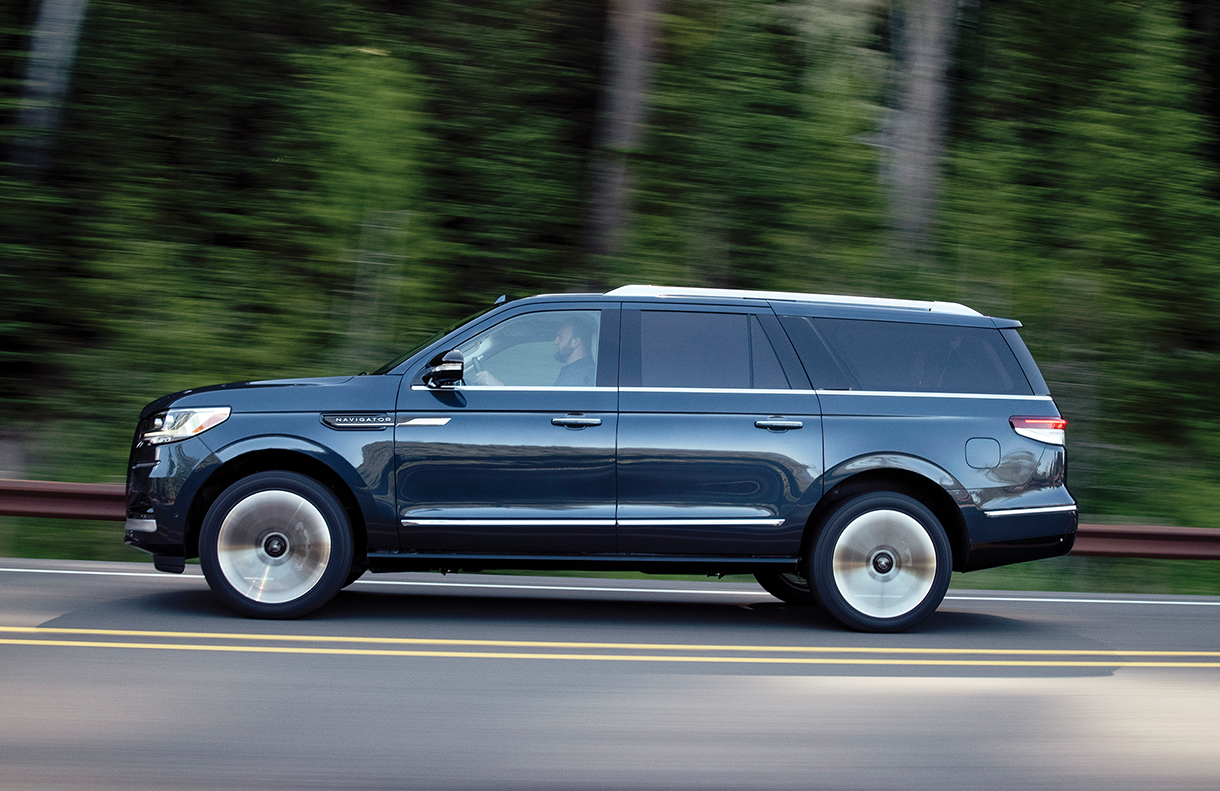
176 425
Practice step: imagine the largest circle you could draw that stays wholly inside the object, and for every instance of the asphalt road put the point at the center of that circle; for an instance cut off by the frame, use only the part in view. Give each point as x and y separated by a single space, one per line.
116 676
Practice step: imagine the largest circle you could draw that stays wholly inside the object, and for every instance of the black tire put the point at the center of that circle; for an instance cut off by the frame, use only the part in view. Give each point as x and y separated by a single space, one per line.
881 562
276 545
789 587
357 571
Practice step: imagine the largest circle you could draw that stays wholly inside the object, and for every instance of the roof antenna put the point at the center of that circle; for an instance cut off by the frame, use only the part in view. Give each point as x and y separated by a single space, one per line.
503 298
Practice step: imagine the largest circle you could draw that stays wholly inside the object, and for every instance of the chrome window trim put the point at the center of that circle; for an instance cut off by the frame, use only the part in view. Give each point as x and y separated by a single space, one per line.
711 390
516 388
1045 509
787 391
912 394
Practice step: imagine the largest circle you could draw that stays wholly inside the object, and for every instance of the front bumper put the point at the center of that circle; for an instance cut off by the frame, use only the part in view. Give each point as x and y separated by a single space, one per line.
162 482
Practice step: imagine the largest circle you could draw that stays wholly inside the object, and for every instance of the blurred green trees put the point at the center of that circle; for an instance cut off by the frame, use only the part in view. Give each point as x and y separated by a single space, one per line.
755 172
243 190
1080 200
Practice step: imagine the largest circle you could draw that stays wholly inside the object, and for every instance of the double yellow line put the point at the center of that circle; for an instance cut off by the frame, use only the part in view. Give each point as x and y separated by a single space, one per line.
239 642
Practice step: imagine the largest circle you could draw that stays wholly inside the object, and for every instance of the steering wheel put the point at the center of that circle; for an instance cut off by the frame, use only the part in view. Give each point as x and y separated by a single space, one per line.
473 367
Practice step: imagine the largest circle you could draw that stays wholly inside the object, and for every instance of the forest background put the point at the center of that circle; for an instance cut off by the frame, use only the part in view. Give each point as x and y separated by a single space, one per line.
239 189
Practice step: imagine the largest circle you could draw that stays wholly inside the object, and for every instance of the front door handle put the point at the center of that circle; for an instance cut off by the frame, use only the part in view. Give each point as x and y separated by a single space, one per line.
576 422
778 425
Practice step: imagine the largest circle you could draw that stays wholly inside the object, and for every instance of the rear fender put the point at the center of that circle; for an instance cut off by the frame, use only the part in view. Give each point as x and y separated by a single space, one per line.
919 478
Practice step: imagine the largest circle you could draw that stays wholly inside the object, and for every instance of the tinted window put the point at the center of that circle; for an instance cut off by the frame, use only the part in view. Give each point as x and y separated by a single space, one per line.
545 349
1027 361
713 350
767 371
901 357
825 371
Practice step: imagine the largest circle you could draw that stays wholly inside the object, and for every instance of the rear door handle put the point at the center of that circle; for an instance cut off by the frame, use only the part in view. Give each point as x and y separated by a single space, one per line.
779 425
576 422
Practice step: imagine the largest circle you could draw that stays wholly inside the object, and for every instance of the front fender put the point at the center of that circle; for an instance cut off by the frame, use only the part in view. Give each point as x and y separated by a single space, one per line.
362 461
309 447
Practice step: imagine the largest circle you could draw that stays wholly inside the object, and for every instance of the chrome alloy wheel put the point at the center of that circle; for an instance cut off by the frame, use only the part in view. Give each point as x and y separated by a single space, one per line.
884 563
273 546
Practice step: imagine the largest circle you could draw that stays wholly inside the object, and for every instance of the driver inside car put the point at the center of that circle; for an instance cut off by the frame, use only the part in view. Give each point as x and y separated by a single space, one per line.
573 341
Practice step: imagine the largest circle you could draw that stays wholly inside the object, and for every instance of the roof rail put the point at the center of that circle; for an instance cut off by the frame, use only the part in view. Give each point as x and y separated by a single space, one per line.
791 296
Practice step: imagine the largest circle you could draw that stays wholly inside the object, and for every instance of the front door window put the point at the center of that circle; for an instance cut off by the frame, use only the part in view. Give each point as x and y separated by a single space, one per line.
557 348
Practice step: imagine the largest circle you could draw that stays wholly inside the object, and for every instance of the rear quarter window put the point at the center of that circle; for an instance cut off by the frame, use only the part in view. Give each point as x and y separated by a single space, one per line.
890 356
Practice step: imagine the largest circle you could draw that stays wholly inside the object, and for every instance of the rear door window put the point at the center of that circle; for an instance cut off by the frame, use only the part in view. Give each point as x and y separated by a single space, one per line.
702 349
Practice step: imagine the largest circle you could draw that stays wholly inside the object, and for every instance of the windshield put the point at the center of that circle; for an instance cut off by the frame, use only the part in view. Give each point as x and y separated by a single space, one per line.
430 340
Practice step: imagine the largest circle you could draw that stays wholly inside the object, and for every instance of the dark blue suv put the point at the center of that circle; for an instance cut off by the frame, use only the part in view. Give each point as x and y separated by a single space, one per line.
848 452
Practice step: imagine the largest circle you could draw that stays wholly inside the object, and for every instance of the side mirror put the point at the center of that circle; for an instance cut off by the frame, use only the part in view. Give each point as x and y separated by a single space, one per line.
445 369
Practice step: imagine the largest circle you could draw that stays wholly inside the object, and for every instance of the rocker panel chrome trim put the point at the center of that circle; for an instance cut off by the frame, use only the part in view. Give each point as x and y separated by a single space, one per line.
408 522
695 522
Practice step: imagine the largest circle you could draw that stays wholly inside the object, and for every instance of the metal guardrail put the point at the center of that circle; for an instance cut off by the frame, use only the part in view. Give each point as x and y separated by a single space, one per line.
107 501
53 499
1148 541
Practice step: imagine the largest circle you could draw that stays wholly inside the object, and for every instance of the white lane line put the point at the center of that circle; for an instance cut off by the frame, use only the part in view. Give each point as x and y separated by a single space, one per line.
160 574
1083 601
751 593
604 589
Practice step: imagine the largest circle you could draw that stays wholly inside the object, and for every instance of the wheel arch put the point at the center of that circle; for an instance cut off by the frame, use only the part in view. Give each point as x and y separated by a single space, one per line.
252 461
902 480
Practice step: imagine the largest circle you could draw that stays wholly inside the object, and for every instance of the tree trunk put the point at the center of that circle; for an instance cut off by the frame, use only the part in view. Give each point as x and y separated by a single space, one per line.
48 72
630 36
916 127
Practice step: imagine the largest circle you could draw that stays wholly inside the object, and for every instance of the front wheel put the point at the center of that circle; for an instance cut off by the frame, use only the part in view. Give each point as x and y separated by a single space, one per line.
276 545
881 562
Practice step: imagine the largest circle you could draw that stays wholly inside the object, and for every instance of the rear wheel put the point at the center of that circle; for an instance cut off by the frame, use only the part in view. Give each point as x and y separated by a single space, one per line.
881 562
787 586
276 545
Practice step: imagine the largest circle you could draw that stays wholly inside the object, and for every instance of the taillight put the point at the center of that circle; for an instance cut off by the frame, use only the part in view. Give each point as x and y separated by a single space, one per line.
1044 429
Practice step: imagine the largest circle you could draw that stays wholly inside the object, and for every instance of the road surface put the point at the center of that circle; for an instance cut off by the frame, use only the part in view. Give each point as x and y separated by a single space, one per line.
117 676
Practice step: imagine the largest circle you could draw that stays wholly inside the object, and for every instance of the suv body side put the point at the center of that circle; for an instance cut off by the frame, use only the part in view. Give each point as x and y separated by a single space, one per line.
716 435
